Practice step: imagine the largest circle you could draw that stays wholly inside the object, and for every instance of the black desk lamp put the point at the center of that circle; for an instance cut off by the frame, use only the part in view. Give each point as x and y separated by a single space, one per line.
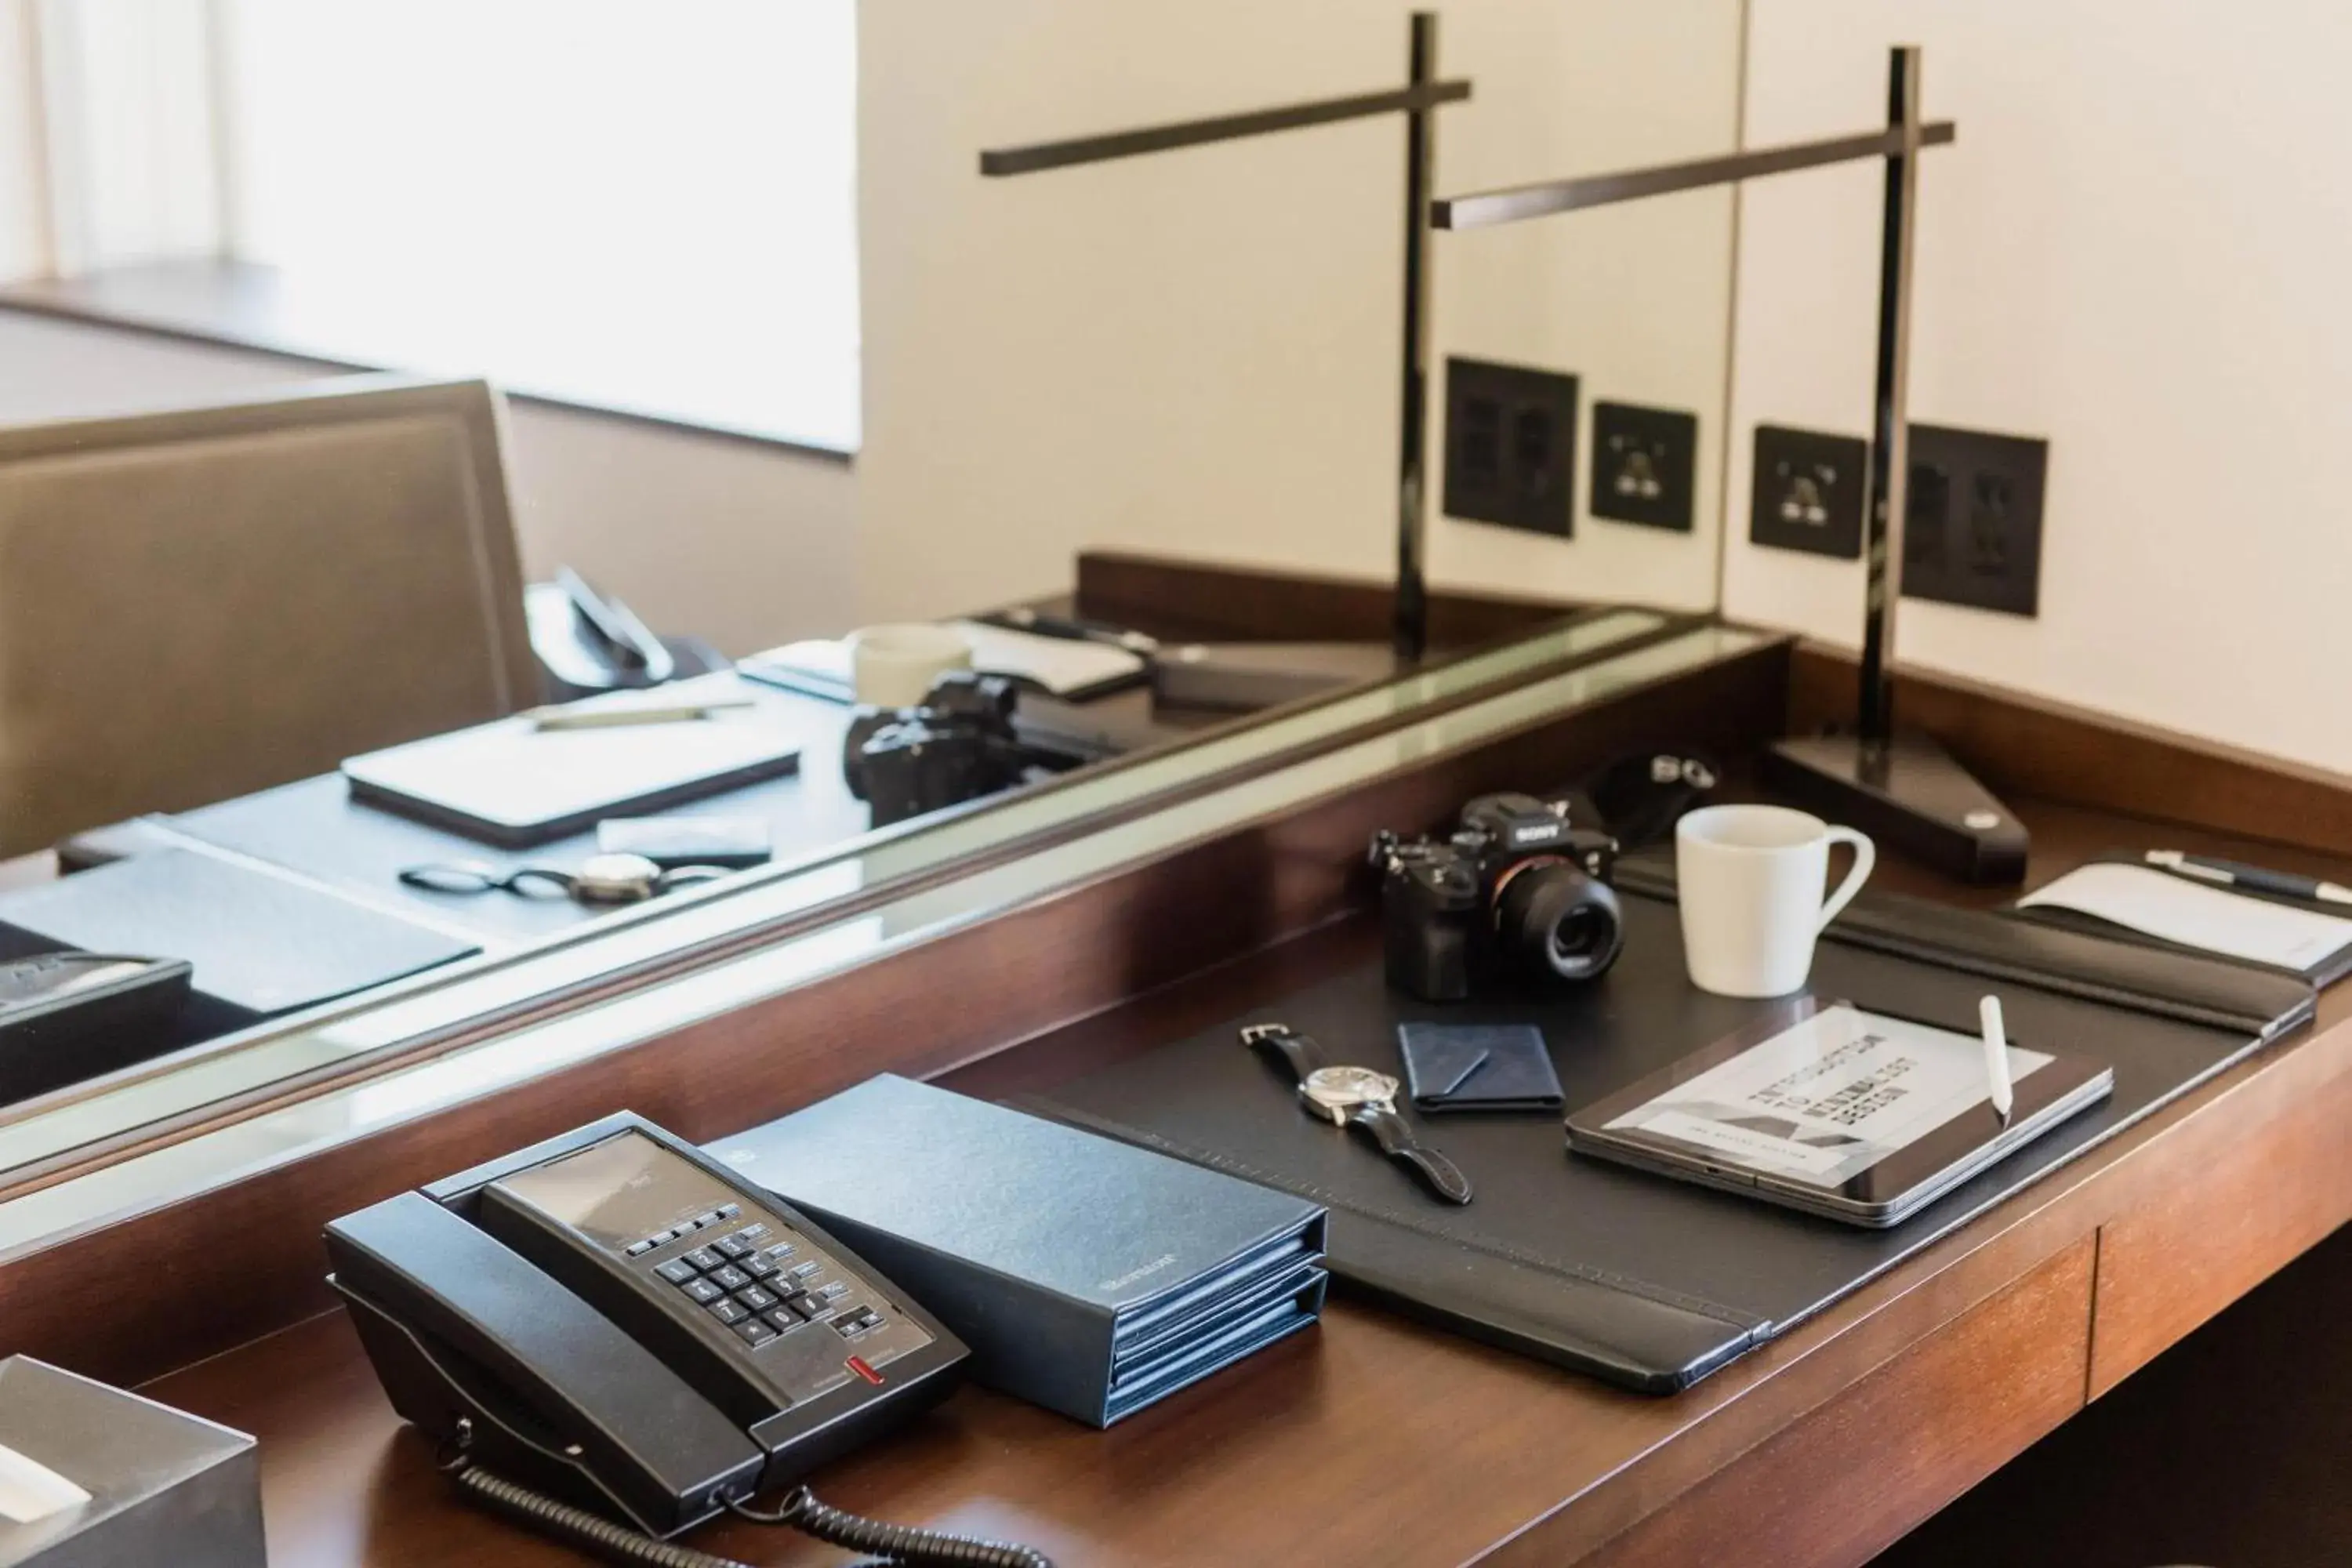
1421 94
1901 787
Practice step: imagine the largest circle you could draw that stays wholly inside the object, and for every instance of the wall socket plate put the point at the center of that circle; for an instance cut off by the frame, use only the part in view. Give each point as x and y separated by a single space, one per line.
1805 490
1645 465
1510 445
1973 523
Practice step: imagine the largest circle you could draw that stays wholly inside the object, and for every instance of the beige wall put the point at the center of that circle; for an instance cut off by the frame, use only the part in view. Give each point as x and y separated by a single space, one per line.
21 248
2139 247
747 545
1195 353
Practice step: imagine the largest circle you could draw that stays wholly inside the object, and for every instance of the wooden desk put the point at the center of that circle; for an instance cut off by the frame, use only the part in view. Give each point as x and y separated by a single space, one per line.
1379 1441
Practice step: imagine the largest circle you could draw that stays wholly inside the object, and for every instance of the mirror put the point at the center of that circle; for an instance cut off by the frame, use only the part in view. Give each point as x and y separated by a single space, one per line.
1157 395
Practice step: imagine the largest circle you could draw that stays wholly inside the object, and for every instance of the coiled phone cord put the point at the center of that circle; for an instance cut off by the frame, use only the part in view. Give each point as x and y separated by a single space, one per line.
618 1544
892 1543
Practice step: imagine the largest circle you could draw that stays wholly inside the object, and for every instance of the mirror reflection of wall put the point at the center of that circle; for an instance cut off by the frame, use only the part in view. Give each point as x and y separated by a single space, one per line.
1194 353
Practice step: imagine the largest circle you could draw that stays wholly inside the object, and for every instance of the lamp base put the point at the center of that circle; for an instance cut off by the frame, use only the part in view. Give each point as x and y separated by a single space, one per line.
1907 792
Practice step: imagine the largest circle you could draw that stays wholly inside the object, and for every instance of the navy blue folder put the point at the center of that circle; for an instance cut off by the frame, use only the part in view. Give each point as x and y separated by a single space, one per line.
1087 1276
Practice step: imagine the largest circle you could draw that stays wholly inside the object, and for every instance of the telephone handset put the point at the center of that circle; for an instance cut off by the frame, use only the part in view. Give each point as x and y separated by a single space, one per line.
612 1320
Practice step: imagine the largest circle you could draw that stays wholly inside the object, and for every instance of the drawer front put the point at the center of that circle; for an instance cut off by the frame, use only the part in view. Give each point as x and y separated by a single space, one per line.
2247 1200
1853 1476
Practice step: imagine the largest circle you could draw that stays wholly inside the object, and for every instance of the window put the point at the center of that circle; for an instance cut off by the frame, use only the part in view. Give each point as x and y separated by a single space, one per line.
648 207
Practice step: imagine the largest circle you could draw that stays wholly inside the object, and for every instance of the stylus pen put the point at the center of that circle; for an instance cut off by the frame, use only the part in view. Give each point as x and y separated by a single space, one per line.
2236 874
566 717
1995 1049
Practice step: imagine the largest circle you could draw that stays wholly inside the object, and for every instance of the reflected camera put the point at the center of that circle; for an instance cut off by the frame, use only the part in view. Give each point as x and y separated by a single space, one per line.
960 745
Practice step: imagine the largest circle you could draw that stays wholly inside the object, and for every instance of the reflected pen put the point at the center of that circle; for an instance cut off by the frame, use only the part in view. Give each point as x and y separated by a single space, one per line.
2257 879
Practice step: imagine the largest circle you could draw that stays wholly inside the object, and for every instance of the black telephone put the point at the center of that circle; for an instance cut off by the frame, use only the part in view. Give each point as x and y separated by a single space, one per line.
614 1321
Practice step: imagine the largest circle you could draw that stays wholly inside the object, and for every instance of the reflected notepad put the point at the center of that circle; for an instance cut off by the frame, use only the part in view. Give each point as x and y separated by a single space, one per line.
512 783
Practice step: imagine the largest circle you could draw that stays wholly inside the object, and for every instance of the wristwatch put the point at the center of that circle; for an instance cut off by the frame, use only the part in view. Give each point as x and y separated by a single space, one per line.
1361 1099
616 877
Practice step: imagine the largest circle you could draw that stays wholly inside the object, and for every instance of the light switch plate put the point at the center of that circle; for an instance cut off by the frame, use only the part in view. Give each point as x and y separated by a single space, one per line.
1510 445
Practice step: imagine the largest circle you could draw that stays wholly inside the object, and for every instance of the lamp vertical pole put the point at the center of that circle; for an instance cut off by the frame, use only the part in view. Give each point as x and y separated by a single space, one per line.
1411 614
1890 445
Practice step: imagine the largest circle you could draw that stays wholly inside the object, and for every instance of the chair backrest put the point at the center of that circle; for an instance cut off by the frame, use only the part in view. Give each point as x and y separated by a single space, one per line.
204 602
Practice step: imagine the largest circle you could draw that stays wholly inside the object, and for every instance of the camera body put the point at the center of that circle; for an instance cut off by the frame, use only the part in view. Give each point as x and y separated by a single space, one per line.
960 745
1517 891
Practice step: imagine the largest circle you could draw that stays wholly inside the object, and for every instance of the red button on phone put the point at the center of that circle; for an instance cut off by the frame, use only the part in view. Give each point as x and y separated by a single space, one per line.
856 1364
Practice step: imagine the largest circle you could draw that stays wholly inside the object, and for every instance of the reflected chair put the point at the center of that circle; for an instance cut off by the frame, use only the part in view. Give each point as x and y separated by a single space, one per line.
203 602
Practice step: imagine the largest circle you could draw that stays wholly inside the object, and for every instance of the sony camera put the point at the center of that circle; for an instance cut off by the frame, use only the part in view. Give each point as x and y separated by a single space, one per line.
1516 890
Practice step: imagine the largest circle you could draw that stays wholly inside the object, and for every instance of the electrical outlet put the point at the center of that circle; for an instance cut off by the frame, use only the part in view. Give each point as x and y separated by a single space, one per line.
1805 492
1643 463
1510 445
1972 519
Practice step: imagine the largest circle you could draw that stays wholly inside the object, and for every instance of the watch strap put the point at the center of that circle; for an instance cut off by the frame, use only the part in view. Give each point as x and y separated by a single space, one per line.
1301 1054
1394 1135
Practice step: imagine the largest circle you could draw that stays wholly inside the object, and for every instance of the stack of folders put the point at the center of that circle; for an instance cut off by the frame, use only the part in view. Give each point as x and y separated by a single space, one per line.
1087 1276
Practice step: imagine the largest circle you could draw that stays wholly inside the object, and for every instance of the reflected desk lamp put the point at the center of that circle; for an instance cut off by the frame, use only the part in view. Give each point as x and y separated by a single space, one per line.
1304 665
1898 785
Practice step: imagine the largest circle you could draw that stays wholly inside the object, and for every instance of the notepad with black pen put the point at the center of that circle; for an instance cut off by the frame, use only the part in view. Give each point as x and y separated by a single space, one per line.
2122 898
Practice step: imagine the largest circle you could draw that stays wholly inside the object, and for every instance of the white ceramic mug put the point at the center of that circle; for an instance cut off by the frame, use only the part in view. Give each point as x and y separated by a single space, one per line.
894 666
1749 878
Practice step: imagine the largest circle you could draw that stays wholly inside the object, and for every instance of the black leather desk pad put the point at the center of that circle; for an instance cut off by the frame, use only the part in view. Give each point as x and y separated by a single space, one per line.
1645 1281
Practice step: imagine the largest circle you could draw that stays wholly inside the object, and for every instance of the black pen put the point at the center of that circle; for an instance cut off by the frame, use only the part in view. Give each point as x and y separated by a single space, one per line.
1021 618
2235 874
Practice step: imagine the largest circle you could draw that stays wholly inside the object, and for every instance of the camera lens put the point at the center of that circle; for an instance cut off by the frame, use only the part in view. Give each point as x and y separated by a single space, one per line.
1556 917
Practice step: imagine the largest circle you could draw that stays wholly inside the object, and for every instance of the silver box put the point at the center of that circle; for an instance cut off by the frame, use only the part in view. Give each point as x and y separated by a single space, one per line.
165 1487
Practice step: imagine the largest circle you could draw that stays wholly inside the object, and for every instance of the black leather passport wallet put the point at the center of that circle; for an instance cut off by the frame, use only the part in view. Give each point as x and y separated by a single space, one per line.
1478 1067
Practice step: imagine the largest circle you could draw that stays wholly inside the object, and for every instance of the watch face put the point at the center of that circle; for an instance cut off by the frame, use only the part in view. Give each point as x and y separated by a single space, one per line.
1337 1090
615 879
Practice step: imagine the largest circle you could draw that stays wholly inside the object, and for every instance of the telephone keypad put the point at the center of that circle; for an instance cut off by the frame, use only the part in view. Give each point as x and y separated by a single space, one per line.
749 1281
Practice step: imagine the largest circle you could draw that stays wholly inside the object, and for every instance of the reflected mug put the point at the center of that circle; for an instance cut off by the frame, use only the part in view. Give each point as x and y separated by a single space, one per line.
1749 878
894 666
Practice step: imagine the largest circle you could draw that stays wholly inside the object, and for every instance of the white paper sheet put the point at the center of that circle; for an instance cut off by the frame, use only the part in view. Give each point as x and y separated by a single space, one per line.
2162 905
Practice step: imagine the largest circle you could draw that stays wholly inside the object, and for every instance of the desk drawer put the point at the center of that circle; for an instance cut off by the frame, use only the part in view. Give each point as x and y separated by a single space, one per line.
1847 1480
2253 1193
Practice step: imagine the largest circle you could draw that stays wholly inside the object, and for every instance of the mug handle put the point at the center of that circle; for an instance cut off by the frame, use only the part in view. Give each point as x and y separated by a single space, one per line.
1865 857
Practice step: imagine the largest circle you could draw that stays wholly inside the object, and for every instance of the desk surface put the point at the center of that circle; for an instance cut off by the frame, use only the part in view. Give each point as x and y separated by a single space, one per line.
1377 1440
